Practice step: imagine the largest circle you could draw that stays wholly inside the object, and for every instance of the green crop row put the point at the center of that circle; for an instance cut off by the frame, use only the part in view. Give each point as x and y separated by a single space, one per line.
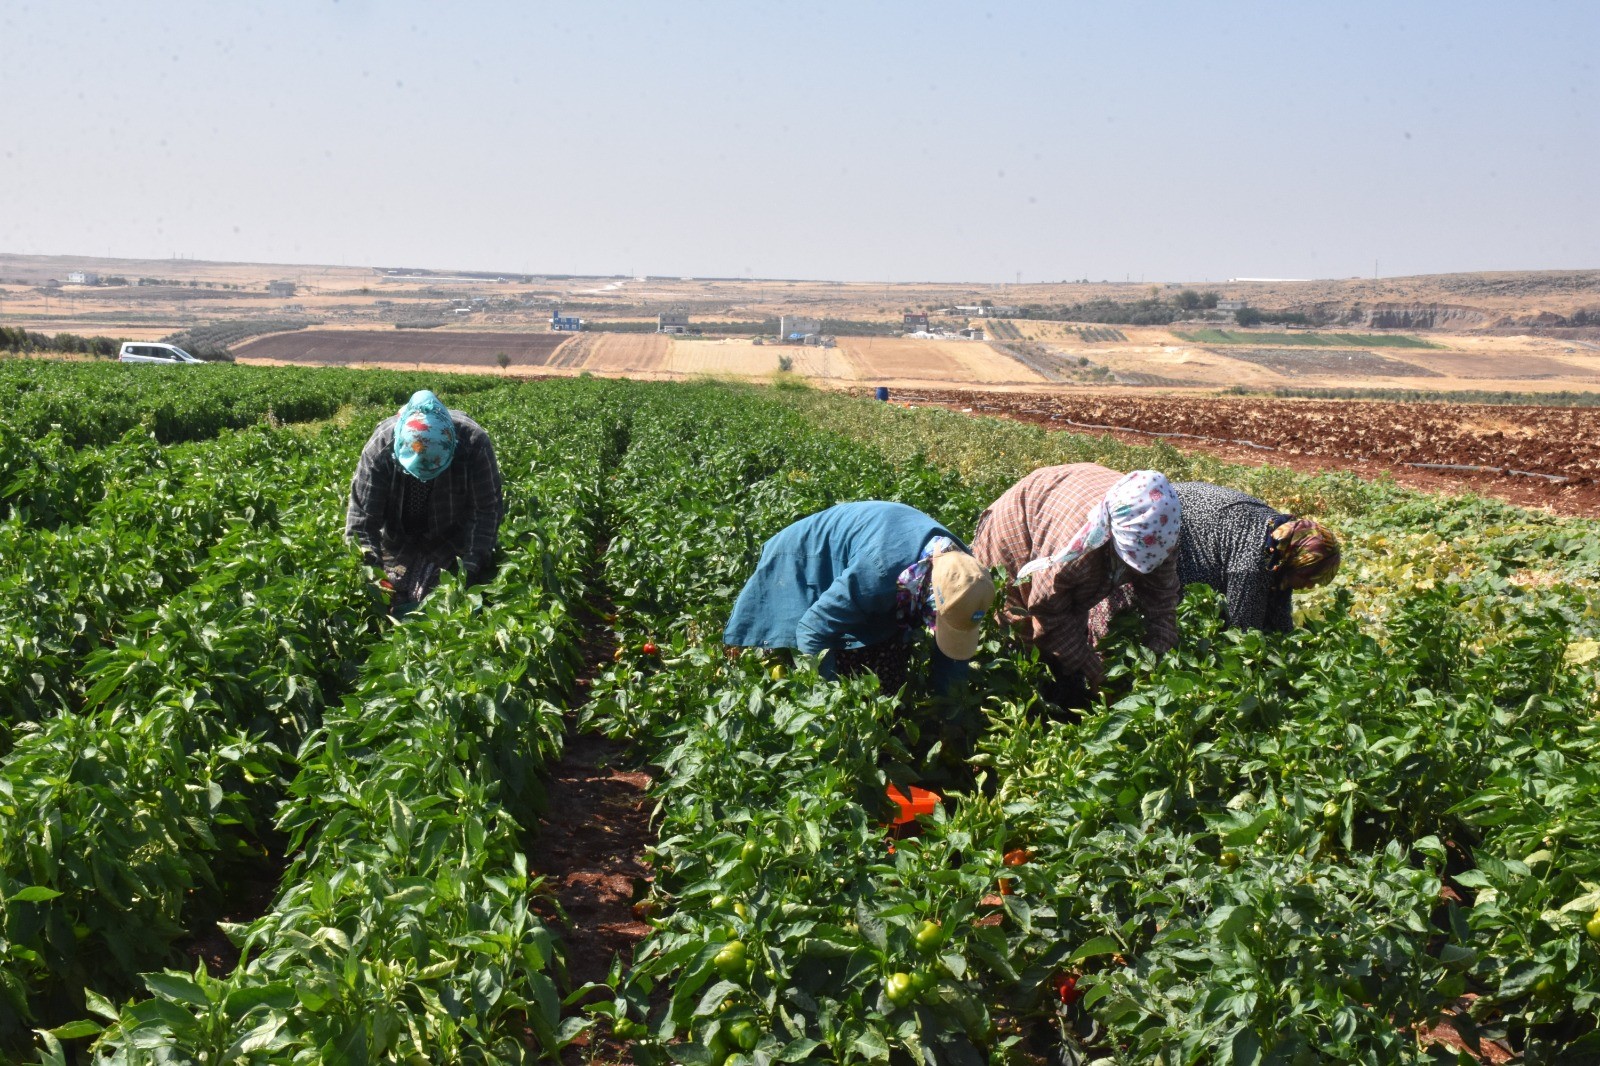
1300 848
96 403
1243 854
404 929
175 518
116 813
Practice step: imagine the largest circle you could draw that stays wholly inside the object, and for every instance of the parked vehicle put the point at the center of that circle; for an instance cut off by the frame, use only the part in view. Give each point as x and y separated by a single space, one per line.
153 352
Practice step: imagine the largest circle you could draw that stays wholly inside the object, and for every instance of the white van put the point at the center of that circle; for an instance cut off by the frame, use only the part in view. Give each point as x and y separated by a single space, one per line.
153 352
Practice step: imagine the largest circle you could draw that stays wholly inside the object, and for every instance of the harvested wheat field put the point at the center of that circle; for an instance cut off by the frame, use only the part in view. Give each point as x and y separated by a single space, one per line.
916 358
619 352
741 358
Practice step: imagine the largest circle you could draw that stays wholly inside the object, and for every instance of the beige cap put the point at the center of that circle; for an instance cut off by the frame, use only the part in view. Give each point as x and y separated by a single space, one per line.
963 592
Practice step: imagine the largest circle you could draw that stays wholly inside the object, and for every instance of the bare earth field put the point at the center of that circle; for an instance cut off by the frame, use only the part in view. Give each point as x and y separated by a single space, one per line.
319 347
1419 443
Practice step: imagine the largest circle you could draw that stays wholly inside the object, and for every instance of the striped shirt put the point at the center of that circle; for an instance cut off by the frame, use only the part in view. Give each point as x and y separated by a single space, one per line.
461 508
1037 517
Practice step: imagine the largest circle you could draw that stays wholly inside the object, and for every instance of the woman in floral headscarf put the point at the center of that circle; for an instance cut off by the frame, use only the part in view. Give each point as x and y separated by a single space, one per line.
1253 554
1069 536
426 498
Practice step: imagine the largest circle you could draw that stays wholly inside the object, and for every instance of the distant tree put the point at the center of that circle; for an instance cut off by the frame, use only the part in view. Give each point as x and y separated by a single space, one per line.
503 359
1209 298
785 363
1247 316
1187 299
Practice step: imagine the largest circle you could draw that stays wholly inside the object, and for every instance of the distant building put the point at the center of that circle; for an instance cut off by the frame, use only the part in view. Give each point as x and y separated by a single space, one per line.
972 333
83 277
914 323
795 327
672 322
283 289
1232 305
986 310
565 323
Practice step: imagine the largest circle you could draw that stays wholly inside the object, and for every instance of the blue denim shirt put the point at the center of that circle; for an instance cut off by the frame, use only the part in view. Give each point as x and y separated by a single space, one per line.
828 582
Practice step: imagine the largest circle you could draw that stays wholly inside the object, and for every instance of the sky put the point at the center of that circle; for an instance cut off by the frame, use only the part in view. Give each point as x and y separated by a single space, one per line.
876 140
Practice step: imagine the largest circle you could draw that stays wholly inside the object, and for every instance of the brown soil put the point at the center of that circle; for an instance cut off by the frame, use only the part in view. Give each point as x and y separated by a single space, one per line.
1369 439
1454 1030
590 850
404 347
249 892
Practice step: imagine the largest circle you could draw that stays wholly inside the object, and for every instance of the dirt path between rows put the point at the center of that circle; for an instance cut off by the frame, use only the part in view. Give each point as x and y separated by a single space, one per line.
1580 497
590 849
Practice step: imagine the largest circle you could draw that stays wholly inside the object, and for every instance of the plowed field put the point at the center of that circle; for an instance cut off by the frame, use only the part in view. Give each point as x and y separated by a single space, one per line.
332 347
1558 446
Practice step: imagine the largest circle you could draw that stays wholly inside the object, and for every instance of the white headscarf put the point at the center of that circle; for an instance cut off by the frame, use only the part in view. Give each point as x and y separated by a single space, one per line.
1140 516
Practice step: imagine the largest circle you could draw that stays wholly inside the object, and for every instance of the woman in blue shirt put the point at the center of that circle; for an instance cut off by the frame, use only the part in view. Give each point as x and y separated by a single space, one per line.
858 580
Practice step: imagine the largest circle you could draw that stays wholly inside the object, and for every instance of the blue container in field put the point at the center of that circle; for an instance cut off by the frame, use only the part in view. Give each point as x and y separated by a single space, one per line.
883 392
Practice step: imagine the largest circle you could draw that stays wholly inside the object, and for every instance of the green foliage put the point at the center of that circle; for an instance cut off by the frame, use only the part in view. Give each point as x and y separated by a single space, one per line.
17 339
1242 852
216 340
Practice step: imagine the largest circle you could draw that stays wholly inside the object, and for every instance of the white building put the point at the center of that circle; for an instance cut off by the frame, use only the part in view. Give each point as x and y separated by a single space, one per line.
796 327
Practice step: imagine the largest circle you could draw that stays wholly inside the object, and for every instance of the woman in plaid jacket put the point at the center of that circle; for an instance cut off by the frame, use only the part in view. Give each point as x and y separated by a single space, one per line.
1068 536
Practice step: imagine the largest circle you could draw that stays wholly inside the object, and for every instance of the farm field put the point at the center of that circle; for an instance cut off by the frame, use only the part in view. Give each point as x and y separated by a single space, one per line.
1307 339
740 358
916 359
628 352
1559 445
1322 363
1373 840
403 347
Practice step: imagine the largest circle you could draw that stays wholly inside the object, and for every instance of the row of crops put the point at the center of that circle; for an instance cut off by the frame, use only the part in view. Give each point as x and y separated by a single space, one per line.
1099 333
1292 849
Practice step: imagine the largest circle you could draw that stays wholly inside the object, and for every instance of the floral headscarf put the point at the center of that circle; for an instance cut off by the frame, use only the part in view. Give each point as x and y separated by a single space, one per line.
1140 516
913 602
424 437
1304 553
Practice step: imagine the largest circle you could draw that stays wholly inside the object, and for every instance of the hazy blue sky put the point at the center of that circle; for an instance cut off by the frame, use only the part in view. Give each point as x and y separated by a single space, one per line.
866 140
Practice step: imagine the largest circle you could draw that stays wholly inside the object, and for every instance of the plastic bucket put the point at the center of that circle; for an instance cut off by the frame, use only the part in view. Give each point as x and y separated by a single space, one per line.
882 392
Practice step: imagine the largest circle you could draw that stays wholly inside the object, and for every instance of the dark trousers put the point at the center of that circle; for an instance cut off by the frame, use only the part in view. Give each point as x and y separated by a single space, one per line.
1068 690
890 660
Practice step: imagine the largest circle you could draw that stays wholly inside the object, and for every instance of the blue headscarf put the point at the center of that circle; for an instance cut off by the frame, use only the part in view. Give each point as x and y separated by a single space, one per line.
424 437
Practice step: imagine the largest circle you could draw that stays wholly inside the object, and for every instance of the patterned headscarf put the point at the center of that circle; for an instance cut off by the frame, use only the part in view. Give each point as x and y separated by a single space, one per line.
1140 516
424 437
1304 552
913 592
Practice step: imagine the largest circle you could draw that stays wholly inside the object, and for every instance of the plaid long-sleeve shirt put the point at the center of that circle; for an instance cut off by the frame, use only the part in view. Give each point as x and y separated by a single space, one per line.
462 512
1037 517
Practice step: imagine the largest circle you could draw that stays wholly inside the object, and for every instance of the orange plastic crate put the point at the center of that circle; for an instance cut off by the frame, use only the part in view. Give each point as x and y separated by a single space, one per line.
920 802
